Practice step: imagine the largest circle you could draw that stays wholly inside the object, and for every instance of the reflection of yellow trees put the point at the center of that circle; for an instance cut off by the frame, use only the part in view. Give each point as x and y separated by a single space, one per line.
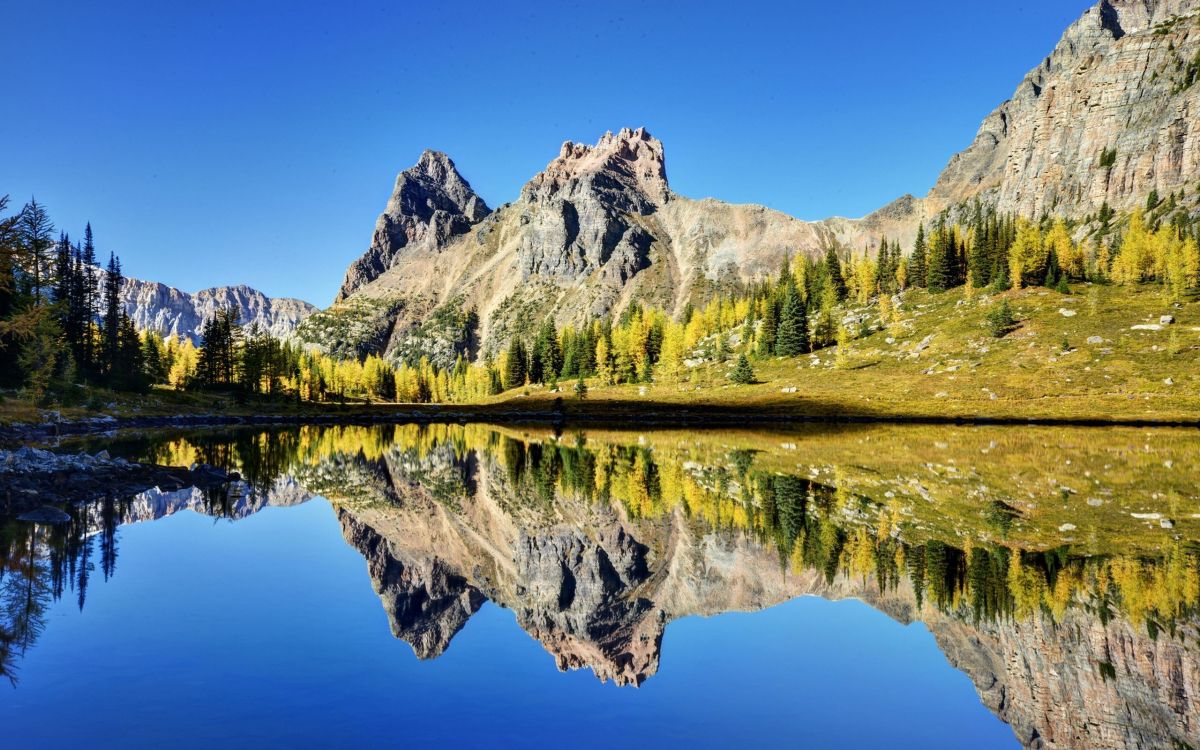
814 526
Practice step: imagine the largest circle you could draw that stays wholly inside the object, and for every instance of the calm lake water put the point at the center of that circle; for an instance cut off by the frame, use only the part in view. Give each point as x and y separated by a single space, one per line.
477 586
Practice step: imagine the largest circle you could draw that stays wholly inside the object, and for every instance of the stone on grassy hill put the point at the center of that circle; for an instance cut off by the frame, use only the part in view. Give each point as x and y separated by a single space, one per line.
1146 327
1066 313
1095 339
1166 320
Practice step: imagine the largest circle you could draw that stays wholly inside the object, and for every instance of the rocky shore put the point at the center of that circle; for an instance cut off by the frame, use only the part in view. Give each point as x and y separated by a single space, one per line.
32 479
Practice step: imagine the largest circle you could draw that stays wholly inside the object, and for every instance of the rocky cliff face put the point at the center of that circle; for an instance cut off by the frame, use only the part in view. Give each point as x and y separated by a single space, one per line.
169 311
1110 115
430 204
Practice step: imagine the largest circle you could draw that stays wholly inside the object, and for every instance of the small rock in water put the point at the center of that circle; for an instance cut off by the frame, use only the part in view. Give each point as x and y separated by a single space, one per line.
45 515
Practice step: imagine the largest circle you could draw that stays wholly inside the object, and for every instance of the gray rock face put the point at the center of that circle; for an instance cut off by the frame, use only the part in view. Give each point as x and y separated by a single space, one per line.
1108 116
169 311
577 214
430 204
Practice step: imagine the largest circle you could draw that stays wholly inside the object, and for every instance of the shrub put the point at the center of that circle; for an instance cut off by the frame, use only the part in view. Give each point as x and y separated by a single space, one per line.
1000 320
743 373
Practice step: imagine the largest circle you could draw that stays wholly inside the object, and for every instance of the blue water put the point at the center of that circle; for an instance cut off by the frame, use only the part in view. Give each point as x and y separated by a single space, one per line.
266 633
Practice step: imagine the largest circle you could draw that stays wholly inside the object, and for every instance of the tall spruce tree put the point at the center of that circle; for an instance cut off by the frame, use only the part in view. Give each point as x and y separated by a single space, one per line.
110 342
514 365
793 325
833 271
917 265
37 241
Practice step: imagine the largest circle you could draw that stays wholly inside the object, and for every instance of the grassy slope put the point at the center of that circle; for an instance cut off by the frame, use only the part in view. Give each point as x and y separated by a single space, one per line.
963 371
960 372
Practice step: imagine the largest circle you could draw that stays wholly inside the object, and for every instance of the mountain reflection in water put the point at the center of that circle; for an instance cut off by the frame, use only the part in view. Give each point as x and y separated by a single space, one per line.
1059 569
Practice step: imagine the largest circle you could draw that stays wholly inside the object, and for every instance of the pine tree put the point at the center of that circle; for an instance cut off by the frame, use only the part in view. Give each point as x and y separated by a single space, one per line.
89 300
833 271
793 326
110 345
36 232
743 373
917 268
514 365
769 330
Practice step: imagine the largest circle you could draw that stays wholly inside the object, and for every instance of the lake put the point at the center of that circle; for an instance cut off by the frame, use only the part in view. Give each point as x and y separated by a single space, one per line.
478 585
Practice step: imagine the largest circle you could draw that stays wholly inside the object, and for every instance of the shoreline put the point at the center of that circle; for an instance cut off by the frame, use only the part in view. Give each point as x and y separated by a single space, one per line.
661 415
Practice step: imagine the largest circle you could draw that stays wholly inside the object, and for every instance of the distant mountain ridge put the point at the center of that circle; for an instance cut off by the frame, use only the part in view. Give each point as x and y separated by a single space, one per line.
170 312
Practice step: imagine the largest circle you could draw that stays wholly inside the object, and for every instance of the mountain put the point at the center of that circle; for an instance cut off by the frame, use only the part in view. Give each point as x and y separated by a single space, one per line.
596 230
168 311
1108 117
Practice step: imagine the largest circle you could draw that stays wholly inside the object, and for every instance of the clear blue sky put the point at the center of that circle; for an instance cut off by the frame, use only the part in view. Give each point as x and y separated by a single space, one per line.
251 142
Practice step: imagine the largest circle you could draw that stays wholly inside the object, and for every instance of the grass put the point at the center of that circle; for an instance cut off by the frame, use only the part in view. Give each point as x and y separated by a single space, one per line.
940 362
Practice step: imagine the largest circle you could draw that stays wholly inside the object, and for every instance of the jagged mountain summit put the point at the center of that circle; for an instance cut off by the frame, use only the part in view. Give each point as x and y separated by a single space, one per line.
597 229
430 204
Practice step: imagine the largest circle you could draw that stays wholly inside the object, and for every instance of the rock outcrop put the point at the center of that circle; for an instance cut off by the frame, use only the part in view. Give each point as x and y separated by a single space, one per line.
430 204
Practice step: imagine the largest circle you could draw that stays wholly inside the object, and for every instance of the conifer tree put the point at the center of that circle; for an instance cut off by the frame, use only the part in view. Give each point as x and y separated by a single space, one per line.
514 365
833 271
917 269
769 330
37 232
111 338
743 373
793 326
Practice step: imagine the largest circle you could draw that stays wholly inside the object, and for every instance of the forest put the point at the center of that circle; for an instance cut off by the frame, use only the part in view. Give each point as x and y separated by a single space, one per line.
63 324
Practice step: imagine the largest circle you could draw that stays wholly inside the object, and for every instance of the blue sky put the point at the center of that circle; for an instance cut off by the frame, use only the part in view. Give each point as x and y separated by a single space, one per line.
252 142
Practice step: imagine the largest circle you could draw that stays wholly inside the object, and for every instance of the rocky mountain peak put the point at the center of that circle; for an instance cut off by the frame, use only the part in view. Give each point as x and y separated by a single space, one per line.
626 169
430 204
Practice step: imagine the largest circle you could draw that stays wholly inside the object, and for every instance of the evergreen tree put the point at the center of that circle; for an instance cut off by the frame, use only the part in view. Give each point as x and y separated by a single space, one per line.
36 232
793 326
110 344
514 365
89 300
833 270
742 373
769 330
938 267
547 356
917 266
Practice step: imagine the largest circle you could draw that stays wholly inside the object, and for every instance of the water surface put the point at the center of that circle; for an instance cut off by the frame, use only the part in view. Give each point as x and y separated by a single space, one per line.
471 586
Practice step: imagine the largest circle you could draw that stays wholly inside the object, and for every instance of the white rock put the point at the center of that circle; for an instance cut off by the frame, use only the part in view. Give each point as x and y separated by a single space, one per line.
1066 313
